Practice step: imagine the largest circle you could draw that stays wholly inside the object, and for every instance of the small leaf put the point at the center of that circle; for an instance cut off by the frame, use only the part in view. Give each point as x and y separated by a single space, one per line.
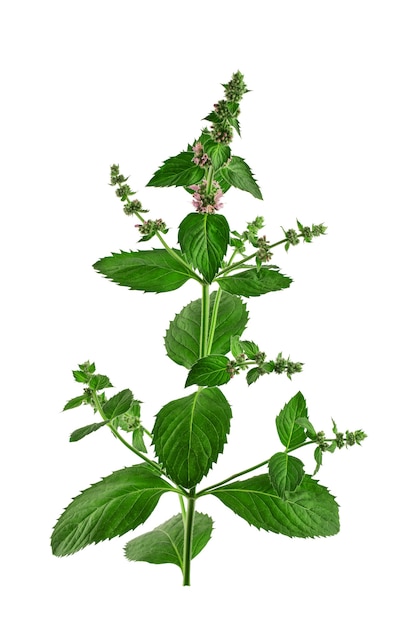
204 239
236 346
137 440
178 171
318 457
110 508
253 375
182 340
238 174
308 426
74 403
145 270
165 544
190 433
285 472
209 371
218 152
80 433
290 433
250 348
254 282
118 404
309 511
80 377
98 382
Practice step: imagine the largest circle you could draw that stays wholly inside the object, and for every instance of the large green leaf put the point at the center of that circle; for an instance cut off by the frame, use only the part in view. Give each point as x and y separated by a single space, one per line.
204 239
254 282
165 544
209 371
145 270
289 431
190 433
285 472
182 339
238 174
309 511
109 508
177 171
219 153
118 404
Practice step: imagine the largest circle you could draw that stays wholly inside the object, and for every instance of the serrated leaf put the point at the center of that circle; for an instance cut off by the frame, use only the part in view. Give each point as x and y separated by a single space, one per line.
80 377
290 433
99 381
224 185
190 433
254 282
309 511
238 174
110 508
236 346
145 270
74 403
219 153
182 339
204 239
80 433
285 472
253 375
209 371
250 348
309 428
165 544
318 457
137 440
177 171
118 404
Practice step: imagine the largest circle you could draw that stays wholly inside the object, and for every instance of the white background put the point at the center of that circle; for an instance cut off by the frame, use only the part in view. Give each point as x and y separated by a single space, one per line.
329 130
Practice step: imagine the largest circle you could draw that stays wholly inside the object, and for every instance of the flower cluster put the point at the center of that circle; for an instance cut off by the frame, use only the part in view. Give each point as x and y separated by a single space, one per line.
225 114
305 232
200 158
235 89
149 228
124 192
264 253
207 200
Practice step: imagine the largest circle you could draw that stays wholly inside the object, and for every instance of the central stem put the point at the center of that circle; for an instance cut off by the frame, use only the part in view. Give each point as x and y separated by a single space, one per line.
188 537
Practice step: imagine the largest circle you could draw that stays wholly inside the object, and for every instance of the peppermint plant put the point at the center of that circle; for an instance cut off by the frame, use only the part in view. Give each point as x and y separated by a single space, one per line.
208 339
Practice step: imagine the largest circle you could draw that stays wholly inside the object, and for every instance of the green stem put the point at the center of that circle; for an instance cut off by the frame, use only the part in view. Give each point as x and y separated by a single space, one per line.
213 321
188 538
205 320
234 266
183 512
207 490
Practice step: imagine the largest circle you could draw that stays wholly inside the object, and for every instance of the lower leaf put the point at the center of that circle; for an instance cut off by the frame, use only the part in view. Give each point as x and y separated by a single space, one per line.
165 544
110 508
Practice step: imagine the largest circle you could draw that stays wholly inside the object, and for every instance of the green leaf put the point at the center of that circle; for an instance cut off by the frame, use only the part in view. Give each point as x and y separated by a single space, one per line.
235 346
253 375
285 472
309 511
74 402
178 171
204 239
318 457
238 174
182 339
309 428
80 433
118 404
218 152
99 381
254 282
209 371
165 544
250 348
80 377
137 439
109 508
290 433
190 433
145 270
224 185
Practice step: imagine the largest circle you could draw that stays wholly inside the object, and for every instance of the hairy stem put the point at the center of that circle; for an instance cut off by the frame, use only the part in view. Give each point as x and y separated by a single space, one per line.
213 321
205 320
188 537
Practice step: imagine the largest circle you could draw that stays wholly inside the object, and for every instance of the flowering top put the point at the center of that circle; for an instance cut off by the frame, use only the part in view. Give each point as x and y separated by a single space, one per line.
200 158
207 200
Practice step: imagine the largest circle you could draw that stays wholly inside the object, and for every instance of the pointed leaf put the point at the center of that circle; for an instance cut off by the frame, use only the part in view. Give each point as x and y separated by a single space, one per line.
178 171
309 511
309 428
165 544
190 433
238 174
137 440
74 403
204 239
219 153
253 375
80 433
99 381
209 371
285 472
290 433
318 457
145 270
254 282
182 339
250 348
118 404
109 508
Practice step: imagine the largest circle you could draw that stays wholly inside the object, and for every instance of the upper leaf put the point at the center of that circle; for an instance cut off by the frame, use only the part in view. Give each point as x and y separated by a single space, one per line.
178 171
182 339
165 544
285 472
309 511
254 282
209 371
238 174
145 270
109 508
204 239
289 431
219 153
118 404
74 403
190 433
80 433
